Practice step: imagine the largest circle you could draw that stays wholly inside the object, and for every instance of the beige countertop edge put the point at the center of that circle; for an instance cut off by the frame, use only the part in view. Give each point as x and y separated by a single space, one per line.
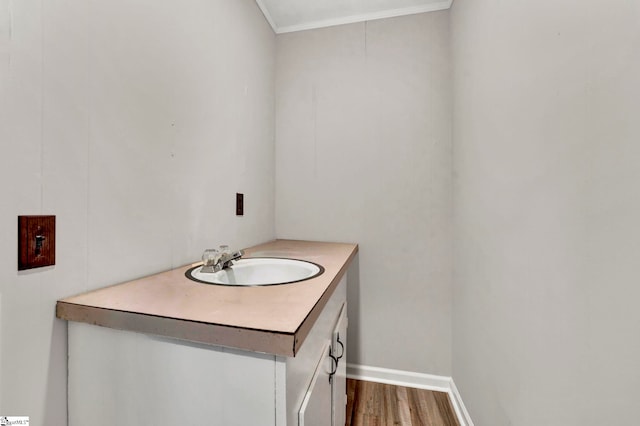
210 334
270 340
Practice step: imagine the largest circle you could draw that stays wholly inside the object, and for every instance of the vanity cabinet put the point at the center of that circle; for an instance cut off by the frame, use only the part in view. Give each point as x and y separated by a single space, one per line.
131 378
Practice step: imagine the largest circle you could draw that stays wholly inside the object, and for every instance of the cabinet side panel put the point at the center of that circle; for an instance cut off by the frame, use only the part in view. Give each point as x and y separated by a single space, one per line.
301 367
124 378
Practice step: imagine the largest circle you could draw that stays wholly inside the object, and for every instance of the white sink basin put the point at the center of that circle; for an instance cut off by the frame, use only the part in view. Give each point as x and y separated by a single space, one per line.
259 271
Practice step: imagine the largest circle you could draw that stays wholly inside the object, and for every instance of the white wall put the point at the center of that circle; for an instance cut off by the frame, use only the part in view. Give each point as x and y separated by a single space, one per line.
363 154
134 122
547 241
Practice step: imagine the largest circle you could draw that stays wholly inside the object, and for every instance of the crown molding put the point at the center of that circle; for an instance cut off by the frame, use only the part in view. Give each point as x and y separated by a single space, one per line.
392 13
267 15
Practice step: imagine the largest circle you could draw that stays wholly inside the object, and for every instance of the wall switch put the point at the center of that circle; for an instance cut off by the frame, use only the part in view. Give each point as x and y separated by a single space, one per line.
239 204
36 241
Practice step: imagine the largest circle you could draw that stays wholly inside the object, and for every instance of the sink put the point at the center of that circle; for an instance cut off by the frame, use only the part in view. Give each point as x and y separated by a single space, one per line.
259 271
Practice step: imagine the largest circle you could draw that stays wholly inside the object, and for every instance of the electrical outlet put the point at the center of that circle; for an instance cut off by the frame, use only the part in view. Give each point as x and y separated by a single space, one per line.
36 241
239 204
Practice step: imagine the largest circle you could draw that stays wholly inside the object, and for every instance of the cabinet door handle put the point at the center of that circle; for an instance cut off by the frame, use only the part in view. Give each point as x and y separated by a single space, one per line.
335 359
334 369
341 347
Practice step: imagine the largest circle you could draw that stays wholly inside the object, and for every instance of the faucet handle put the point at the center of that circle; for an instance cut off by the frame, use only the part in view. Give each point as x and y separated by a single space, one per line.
210 257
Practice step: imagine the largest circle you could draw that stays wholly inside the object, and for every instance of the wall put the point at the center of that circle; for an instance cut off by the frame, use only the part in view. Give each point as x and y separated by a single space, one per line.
363 154
134 122
547 242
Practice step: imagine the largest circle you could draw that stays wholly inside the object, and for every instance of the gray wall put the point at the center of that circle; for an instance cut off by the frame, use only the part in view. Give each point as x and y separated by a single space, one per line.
135 122
547 241
363 154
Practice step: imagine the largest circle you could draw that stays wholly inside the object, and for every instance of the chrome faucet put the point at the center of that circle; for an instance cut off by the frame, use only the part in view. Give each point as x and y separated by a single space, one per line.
215 260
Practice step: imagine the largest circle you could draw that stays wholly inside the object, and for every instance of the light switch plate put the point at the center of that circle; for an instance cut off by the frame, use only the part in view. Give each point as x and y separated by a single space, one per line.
239 204
36 241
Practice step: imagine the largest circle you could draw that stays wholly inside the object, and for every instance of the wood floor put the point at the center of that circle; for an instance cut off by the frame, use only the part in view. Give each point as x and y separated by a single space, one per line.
377 404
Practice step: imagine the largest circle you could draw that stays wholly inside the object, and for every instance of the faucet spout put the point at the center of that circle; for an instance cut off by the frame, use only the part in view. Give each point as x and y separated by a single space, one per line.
216 260
227 259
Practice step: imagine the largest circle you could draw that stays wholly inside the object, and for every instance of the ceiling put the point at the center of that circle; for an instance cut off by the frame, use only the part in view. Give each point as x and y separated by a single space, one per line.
297 15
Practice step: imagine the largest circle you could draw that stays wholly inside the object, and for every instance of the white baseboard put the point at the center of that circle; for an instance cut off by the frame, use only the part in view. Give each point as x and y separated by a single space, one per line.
413 380
399 378
461 411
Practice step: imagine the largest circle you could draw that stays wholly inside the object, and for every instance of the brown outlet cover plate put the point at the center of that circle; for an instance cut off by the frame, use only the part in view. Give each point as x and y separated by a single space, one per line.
36 241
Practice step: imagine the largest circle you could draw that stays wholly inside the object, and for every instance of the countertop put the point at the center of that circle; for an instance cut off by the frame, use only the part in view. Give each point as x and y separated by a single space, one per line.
269 319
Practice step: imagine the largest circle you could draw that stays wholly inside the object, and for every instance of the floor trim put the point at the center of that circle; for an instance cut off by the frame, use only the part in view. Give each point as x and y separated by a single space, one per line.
414 380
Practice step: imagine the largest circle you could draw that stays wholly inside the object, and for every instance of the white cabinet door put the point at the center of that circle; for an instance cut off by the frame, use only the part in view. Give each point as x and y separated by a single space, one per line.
316 406
339 381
